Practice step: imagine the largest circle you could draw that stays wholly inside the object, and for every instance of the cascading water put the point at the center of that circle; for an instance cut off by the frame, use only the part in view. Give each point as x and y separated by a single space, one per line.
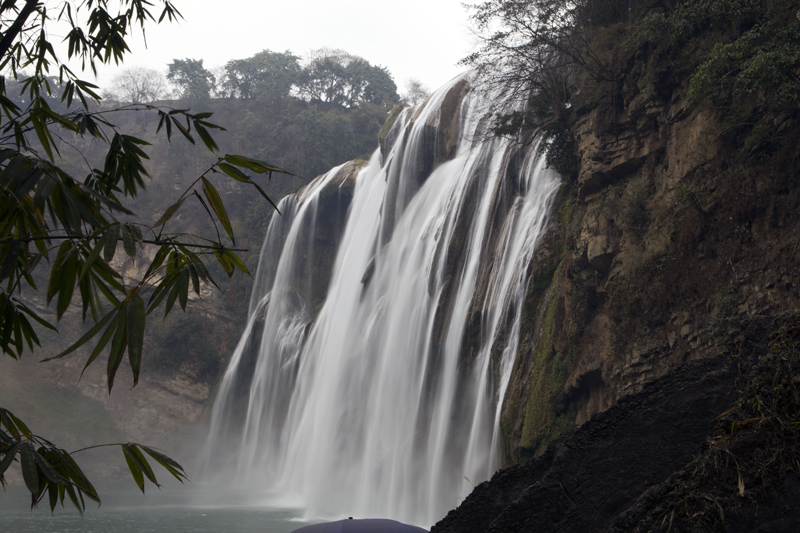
374 387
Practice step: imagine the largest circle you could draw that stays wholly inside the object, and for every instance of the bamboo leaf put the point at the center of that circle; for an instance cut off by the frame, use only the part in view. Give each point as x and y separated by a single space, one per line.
85 338
110 243
226 264
10 259
20 425
103 341
71 493
173 295
183 130
67 281
128 241
168 463
91 258
195 279
28 466
48 470
117 347
53 491
266 196
136 326
183 286
148 471
261 167
219 208
168 214
24 308
137 233
54 286
134 466
236 261
235 173
206 137
8 458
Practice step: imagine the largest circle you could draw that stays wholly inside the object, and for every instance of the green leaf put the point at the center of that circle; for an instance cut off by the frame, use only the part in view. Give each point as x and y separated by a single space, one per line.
148 471
172 467
74 499
136 327
67 283
195 279
266 196
136 232
173 295
117 347
238 263
134 466
91 258
53 490
85 338
20 425
128 241
103 340
10 259
183 130
28 465
48 470
110 243
9 424
261 167
183 288
206 137
219 208
54 286
8 458
235 173
225 262
171 210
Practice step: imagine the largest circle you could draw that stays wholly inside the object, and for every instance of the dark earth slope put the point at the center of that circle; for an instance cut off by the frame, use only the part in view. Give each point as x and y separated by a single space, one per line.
711 446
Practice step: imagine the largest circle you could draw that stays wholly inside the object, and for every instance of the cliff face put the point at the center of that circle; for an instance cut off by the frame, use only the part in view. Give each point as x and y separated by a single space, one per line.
667 242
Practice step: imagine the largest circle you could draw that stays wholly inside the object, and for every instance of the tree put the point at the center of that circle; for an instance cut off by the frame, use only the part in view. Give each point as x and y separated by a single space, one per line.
532 57
415 92
193 80
267 76
138 85
344 79
74 221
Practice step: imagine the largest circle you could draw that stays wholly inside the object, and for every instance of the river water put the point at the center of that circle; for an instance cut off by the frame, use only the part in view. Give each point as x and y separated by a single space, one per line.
174 510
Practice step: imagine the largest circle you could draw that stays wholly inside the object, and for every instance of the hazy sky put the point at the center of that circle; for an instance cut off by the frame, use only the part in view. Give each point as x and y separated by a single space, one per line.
422 39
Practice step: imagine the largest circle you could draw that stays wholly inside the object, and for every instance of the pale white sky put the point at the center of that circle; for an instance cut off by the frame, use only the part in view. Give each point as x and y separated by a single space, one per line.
422 39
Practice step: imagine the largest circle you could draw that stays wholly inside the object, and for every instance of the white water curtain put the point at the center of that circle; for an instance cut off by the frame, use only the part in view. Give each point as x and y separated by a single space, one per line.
378 408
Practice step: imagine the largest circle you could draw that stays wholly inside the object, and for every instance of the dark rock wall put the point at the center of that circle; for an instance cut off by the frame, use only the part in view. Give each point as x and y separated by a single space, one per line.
668 241
589 475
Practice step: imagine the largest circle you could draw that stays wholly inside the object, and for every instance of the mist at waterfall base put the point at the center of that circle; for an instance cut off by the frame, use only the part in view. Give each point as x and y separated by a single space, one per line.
373 388
187 509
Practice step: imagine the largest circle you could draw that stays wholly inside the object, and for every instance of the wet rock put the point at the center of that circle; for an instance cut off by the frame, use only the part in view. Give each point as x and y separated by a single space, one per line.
600 253
589 475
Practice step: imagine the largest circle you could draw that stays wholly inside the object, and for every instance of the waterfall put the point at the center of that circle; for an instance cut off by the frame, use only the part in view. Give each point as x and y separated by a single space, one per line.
384 322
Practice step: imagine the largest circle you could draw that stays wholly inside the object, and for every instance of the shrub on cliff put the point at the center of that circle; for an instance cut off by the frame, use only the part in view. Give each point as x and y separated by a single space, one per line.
537 55
741 57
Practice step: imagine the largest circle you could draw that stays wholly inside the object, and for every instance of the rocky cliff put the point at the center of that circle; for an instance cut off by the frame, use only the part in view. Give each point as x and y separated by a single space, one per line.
674 241
666 243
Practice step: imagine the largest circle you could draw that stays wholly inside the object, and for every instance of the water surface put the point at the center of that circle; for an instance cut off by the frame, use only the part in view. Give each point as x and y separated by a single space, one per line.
125 511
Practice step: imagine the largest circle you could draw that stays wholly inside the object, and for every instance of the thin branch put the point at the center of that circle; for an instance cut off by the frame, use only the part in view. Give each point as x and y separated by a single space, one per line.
16 27
159 242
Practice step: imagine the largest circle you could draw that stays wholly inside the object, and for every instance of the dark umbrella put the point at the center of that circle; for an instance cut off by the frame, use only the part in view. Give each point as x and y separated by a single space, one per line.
366 525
